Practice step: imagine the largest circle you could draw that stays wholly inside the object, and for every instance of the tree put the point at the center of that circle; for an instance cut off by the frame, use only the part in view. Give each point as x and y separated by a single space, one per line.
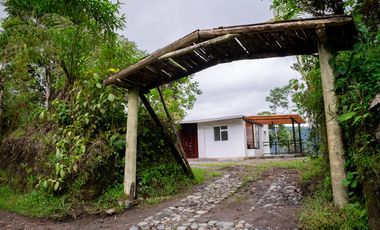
288 9
278 98
55 55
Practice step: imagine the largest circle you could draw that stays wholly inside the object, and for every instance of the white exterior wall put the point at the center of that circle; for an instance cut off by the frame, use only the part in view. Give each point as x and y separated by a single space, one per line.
235 146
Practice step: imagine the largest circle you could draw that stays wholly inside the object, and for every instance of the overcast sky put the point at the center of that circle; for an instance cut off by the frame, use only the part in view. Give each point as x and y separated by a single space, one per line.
237 88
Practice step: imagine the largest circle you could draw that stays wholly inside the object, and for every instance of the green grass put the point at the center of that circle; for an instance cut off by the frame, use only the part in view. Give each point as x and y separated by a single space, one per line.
318 210
319 213
219 164
34 204
110 199
201 174
114 195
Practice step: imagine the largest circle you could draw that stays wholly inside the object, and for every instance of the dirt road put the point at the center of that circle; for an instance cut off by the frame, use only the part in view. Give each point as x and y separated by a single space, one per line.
228 202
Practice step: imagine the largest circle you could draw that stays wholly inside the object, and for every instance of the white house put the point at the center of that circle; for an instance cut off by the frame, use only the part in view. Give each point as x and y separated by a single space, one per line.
225 137
230 137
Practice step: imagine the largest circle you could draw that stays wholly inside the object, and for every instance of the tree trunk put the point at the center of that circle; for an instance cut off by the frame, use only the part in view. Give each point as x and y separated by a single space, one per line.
372 197
334 132
1 97
131 147
47 86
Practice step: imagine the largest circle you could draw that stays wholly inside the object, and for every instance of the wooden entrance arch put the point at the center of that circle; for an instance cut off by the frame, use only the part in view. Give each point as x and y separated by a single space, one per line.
202 49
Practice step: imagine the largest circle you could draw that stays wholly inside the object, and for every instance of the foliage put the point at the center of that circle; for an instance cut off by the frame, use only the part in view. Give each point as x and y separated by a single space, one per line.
55 55
100 13
289 9
35 203
111 197
278 98
357 83
160 180
318 211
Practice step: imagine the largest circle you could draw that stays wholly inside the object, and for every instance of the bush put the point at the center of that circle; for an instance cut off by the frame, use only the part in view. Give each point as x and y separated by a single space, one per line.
35 203
318 213
318 210
161 180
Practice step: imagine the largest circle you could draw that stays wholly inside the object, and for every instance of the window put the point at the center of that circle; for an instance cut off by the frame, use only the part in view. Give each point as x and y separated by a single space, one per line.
221 133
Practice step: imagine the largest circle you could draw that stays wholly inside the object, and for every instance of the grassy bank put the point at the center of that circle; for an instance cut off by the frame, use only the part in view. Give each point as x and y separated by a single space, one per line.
41 204
318 210
34 204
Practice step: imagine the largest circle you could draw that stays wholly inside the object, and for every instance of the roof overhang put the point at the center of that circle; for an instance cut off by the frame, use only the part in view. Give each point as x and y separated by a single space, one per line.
212 119
205 48
276 119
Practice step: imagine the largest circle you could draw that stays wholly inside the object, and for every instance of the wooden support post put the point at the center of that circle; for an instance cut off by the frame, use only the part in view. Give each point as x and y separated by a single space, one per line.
164 104
173 142
294 137
334 132
299 138
131 147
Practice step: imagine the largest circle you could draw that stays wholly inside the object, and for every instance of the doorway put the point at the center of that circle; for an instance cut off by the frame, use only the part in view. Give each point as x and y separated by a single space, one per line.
189 140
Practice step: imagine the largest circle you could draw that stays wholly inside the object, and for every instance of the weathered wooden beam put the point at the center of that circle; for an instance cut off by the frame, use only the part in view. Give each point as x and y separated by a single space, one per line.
200 35
197 46
153 57
173 143
131 147
334 132
164 104
276 26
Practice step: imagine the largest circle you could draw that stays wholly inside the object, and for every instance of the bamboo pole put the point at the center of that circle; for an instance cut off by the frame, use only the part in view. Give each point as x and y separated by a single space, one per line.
131 147
173 142
164 104
197 46
185 41
334 132
276 26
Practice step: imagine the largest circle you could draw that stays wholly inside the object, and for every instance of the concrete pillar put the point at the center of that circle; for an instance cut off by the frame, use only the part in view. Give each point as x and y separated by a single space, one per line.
334 132
131 147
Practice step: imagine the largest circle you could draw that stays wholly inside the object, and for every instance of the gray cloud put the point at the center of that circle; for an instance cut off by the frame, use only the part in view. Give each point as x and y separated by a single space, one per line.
228 89
153 24
240 87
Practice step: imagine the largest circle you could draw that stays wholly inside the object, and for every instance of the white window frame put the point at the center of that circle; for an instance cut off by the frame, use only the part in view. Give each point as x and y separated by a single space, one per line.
219 131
